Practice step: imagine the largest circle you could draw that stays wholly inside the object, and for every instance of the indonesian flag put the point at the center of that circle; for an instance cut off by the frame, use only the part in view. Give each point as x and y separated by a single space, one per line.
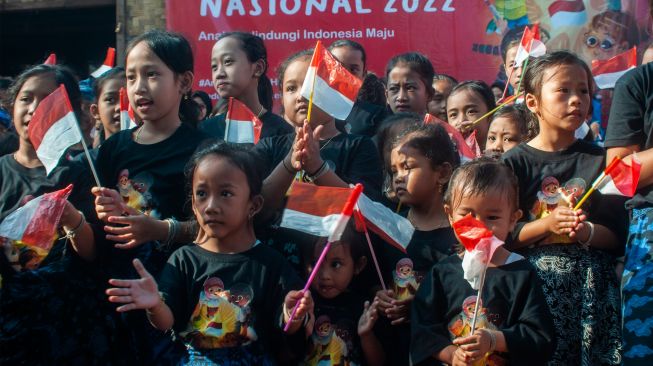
243 126
108 64
480 245
473 143
126 120
51 60
330 85
465 152
565 13
53 128
315 210
607 72
530 45
620 178
36 222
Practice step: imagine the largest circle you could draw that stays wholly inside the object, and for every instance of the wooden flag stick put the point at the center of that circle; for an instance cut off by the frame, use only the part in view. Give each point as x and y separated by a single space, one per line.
505 89
508 101
478 300
369 243
228 119
597 182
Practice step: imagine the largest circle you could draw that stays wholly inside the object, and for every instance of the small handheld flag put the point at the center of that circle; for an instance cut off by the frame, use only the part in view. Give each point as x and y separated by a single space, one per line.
530 45
243 126
465 152
607 72
51 60
126 121
618 178
108 64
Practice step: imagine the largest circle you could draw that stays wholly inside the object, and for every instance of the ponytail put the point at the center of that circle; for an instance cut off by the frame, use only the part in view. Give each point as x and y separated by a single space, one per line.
188 111
265 93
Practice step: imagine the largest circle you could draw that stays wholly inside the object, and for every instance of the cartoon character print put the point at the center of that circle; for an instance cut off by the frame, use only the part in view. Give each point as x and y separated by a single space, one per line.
327 348
551 196
135 192
405 279
461 326
222 318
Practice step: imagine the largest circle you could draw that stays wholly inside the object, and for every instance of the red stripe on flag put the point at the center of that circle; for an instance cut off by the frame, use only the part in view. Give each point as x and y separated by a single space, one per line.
337 76
43 225
575 6
124 100
317 201
238 112
51 60
620 62
110 59
456 137
51 109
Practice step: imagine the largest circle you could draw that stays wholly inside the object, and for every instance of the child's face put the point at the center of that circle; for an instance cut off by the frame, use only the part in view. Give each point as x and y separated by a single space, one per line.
351 59
503 135
153 88
467 105
510 64
33 91
221 199
438 104
107 109
202 108
564 99
406 91
336 272
493 208
414 179
232 73
498 93
295 107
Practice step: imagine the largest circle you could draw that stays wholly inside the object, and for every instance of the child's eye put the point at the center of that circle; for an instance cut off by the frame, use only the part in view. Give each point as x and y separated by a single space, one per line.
564 90
291 88
508 139
151 74
393 89
111 100
25 99
200 194
336 264
228 61
226 194
214 67
492 138
585 91
493 218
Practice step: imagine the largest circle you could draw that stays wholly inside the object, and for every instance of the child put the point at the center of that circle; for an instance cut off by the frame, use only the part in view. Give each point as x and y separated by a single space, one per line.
106 109
509 127
467 102
342 321
514 325
421 162
225 296
238 66
409 77
509 46
569 248
204 104
442 85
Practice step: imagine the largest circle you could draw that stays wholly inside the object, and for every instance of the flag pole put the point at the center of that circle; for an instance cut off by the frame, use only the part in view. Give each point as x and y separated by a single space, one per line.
505 89
369 243
598 182
523 71
228 119
478 300
508 101
88 155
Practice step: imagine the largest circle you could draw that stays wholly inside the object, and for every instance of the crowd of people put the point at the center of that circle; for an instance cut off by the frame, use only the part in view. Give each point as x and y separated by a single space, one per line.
177 257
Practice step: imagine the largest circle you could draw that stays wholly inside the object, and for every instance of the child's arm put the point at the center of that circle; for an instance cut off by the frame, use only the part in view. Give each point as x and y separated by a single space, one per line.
80 232
370 344
305 307
142 294
563 221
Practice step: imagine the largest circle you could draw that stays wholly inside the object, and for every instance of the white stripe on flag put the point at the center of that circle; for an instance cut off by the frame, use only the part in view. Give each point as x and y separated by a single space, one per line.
307 223
608 80
608 187
101 70
568 18
241 132
399 229
58 138
14 225
327 98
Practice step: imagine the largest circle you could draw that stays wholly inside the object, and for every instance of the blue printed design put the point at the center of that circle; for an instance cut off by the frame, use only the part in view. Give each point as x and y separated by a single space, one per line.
637 351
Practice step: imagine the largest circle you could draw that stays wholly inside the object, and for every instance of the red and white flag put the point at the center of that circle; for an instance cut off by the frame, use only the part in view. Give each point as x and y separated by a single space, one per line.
36 222
126 120
108 64
53 128
473 143
465 152
332 87
607 72
530 45
242 126
315 210
51 60
566 13
620 178
480 245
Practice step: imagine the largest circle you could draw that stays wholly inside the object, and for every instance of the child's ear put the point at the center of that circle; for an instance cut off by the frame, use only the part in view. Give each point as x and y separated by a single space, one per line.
449 212
514 218
186 82
360 265
95 111
259 67
257 205
445 173
531 103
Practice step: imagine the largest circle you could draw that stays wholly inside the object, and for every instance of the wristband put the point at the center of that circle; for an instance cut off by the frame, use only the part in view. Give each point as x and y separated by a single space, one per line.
289 170
323 169
73 232
586 244
493 341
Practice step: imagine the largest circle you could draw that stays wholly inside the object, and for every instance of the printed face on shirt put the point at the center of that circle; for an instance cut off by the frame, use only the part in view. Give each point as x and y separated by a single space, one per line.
467 105
153 88
406 91
335 273
510 64
503 135
564 99
33 91
351 59
438 104
414 178
603 42
295 107
108 105
232 73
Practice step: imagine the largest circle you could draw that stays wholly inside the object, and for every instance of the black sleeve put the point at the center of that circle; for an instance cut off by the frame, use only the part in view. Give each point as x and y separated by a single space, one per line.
626 123
173 290
365 168
265 152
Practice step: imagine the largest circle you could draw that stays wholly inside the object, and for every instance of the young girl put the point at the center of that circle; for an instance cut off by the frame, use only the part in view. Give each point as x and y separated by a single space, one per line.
421 163
106 109
225 295
238 66
514 325
409 77
442 86
569 248
509 127
468 101
342 322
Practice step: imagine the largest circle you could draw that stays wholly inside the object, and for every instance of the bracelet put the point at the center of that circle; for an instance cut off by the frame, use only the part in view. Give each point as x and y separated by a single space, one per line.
289 170
287 314
493 341
320 172
586 244
73 232
173 229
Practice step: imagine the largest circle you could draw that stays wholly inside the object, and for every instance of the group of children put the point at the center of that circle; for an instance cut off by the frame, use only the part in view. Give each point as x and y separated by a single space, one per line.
185 228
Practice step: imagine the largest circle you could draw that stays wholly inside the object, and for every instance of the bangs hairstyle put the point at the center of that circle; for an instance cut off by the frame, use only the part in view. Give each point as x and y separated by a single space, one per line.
353 45
518 114
417 63
116 73
537 66
176 53
301 55
390 128
479 177
432 141
351 238
479 87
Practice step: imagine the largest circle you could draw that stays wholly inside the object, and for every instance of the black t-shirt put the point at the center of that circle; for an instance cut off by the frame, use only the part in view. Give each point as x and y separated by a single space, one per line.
227 300
335 340
273 125
511 302
364 118
8 143
631 119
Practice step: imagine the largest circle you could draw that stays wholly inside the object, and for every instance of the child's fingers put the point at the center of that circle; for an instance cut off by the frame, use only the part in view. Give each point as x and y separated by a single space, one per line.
464 340
118 291
122 238
117 230
127 307
140 268
129 245
398 321
120 283
121 299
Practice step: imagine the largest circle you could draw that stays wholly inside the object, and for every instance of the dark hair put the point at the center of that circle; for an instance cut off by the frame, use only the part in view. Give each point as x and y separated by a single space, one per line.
511 39
372 90
5 82
206 99
281 72
351 44
498 84
116 73
392 127
175 51
480 176
254 48
479 87
533 75
417 63
432 141
351 238
519 114
446 77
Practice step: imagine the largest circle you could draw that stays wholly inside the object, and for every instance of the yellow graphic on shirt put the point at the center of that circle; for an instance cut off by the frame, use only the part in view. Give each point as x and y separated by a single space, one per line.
327 347
405 279
461 326
222 318
135 192
551 196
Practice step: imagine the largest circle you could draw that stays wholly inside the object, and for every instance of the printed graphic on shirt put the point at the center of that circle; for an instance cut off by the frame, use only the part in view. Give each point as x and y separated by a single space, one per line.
331 344
461 326
135 192
405 279
551 196
222 317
